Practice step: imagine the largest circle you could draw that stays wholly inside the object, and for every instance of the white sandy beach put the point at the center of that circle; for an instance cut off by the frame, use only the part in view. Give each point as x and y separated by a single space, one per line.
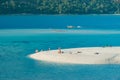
93 55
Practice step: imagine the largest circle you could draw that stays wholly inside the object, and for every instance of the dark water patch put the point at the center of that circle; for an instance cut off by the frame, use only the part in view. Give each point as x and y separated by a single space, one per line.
25 42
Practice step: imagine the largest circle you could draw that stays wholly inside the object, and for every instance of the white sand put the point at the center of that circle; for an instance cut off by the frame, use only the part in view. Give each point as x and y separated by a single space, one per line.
107 55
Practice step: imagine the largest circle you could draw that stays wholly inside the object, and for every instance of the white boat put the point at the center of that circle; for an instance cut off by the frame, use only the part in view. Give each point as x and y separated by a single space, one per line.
70 27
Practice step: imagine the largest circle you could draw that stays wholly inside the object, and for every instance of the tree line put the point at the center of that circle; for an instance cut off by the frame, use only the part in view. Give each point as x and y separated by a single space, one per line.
59 6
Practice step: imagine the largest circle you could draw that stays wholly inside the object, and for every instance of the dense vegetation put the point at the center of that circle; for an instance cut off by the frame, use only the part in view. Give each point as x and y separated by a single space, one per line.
59 6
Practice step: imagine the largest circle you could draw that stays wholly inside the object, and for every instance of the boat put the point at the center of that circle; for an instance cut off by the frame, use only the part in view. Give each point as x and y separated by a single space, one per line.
70 27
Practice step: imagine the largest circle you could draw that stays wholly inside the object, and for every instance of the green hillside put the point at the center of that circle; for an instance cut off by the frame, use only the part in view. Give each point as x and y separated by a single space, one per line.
59 6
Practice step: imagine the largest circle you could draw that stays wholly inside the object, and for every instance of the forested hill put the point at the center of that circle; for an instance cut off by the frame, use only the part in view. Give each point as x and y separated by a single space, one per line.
59 6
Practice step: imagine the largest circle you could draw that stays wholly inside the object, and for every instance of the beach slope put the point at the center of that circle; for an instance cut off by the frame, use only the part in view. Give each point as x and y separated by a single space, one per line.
93 55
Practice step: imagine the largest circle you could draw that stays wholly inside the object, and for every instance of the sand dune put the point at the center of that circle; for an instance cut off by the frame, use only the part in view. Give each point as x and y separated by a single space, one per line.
94 55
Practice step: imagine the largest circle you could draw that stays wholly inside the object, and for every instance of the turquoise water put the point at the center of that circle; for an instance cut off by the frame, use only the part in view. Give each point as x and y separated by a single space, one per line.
17 44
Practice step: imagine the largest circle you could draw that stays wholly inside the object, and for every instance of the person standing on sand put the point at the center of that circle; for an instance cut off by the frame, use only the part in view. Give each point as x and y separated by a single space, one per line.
48 49
36 51
59 50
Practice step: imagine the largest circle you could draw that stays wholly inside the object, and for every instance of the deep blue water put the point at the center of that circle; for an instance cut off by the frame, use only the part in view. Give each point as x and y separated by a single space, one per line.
54 21
17 44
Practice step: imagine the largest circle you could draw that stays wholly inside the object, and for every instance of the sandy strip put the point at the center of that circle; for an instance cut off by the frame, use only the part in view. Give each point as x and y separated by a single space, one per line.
94 55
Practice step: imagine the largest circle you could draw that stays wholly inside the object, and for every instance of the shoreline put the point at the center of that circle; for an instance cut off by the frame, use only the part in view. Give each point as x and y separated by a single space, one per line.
28 14
89 55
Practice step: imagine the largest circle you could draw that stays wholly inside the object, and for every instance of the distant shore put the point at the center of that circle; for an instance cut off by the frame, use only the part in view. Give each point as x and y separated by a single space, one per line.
94 55
22 14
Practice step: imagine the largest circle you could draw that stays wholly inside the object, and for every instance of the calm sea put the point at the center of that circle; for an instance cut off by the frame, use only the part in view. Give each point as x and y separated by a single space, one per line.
17 44
60 22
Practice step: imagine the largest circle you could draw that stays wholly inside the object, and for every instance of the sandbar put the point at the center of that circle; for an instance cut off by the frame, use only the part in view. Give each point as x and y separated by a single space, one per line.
89 55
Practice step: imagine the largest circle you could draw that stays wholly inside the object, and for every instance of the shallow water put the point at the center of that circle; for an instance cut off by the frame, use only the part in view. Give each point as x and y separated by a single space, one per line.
16 46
